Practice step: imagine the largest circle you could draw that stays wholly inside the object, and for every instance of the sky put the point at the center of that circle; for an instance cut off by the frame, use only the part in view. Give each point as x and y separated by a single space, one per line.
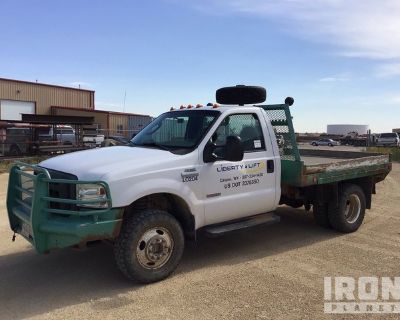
339 59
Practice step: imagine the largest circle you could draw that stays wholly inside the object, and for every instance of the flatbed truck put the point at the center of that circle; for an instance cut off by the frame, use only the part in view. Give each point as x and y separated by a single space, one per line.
211 169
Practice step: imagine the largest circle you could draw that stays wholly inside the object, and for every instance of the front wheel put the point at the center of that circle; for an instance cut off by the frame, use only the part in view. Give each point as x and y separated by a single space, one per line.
349 214
149 246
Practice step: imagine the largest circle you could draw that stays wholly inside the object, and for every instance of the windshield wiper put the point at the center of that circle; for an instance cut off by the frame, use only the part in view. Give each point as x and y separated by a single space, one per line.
152 144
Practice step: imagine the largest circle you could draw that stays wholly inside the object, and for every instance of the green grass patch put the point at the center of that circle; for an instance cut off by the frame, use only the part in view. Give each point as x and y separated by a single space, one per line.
394 151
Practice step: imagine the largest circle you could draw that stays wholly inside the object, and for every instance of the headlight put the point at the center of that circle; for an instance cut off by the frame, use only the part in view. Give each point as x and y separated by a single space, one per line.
92 192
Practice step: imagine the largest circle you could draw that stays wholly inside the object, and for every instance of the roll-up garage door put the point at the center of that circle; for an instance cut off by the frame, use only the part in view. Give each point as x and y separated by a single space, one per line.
12 110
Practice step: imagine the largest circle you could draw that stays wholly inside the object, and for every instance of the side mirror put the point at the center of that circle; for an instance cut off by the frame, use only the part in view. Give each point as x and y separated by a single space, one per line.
209 153
234 149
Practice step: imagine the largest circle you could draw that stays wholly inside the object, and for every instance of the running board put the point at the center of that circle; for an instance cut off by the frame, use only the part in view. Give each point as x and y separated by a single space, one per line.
261 219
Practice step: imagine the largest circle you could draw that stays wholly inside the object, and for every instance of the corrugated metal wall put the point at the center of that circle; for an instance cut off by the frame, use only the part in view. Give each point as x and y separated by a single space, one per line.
100 118
138 122
118 124
111 123
46 96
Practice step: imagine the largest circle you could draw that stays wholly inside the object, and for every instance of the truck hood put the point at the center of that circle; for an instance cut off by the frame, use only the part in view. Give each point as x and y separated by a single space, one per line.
116 162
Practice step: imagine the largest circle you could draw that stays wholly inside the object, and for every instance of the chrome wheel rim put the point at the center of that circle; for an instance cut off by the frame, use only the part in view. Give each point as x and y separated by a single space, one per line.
154 248
353 208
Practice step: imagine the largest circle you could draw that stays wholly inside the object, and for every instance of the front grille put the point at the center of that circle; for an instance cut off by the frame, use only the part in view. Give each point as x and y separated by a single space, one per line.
62 190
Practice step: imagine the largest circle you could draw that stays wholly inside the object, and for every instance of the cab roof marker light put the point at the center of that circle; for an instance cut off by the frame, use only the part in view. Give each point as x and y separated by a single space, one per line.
172 109
199 105
182 107
189 106
215 106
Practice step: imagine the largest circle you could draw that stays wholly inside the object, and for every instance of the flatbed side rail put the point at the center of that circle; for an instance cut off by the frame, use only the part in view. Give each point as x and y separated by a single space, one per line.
377 166
350 164
30 205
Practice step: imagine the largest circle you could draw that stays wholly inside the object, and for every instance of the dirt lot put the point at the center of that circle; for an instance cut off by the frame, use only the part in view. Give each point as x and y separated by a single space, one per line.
273 272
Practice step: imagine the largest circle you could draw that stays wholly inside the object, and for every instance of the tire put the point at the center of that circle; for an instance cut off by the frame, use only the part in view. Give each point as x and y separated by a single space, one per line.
15 151
241 95
348 216
320 211
314 144
140 233
330 144
294 203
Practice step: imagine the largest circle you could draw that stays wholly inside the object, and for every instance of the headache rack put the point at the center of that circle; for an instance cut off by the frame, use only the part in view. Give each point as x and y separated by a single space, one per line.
281 121
325 166
34 212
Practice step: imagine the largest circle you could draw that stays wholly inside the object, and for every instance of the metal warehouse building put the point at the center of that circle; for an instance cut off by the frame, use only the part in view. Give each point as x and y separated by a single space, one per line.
109 122
24 97
17 97
343 129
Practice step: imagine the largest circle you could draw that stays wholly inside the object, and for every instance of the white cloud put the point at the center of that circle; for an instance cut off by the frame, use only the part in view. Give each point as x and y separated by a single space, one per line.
336 78
388 70
394 100
81 84
105 105
359 28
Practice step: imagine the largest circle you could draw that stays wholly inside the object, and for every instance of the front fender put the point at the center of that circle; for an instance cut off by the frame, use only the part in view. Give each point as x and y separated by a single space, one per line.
123 194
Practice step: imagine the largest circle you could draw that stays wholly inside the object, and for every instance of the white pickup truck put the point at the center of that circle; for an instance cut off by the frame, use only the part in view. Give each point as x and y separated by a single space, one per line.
390 139
214 168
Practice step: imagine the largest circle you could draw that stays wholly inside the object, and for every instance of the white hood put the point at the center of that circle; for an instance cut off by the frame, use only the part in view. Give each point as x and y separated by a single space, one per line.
97 164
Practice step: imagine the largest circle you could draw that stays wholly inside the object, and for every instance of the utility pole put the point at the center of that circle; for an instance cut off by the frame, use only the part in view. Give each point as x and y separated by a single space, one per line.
124 100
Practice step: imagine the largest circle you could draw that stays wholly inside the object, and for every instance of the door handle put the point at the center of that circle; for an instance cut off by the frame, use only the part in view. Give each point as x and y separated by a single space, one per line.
270 166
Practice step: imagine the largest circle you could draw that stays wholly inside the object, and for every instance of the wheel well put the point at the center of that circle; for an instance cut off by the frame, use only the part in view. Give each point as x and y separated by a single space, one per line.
367 184
330 192
174 204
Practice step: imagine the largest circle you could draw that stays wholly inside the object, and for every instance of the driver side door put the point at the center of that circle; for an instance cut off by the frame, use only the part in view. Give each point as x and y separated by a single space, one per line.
238 189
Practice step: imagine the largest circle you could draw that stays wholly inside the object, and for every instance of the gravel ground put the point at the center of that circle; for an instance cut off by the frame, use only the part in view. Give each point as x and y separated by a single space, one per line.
272 272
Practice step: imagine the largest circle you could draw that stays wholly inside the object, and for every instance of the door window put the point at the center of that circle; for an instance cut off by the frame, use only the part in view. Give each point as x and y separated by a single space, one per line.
246 126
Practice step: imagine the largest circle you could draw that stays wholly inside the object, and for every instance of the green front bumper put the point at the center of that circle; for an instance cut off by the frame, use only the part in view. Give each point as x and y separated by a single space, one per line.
32 212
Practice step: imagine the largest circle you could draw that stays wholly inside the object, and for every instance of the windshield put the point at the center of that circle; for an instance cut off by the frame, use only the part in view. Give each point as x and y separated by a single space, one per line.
178 132
389 135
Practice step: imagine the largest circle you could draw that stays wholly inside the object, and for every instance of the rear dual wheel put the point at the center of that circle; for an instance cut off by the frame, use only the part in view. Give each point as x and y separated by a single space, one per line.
320 211
348 215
